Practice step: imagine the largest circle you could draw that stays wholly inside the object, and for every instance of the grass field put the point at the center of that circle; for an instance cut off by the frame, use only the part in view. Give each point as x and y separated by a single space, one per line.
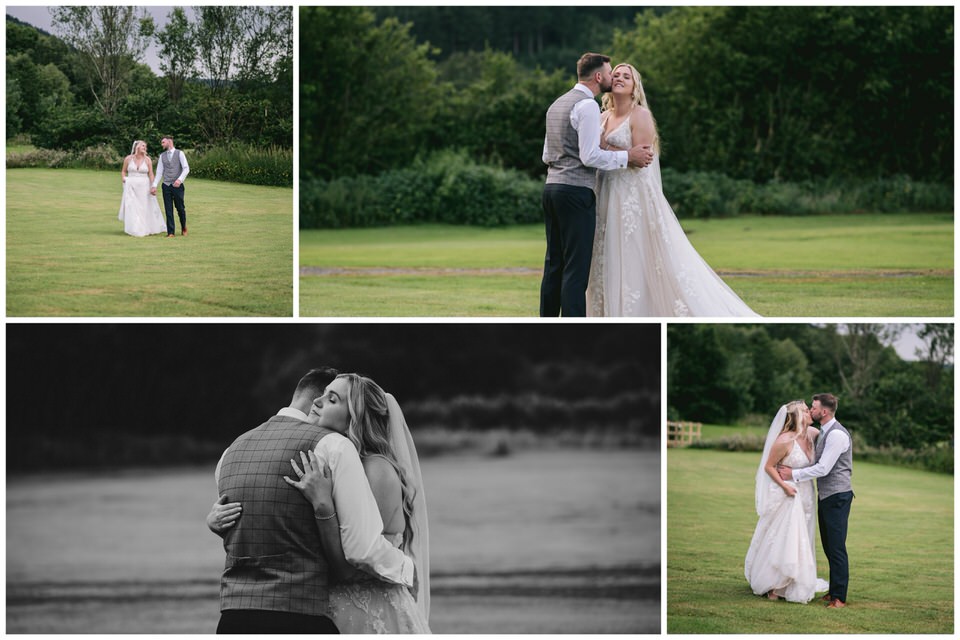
853 265
543 542
900 543
67 254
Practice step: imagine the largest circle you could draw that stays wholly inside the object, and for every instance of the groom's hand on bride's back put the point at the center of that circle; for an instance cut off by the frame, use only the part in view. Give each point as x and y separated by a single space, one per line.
640 155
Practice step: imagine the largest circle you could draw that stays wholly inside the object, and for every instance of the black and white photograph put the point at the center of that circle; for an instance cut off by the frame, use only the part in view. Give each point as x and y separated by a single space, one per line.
313 478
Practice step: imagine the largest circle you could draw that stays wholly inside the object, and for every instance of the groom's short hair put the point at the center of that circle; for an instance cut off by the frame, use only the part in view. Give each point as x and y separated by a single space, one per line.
590 63
827 401
316 381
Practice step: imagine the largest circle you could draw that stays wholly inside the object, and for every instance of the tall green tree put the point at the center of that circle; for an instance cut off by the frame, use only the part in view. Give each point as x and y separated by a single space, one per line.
111 41
792 93
368 92
178 52
267 43
218 35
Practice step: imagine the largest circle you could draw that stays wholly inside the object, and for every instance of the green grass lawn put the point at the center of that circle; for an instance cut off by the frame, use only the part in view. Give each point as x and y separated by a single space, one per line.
853 265
900 543
67 254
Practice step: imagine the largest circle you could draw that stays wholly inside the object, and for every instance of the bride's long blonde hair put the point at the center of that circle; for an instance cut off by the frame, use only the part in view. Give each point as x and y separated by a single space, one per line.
638 98
794 421
369 430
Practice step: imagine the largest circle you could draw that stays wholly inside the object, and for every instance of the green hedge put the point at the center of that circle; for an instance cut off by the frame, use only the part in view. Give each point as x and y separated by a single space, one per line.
98 157
269 166
266 166
703 195
936 458
449 186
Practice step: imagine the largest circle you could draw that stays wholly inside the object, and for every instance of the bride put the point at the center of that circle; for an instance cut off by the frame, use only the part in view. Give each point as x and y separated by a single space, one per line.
360 603
643 264
139 210
781 561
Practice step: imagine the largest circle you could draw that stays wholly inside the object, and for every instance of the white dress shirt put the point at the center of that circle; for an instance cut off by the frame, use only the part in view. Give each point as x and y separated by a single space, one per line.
158 176
835 446
585 119
361 527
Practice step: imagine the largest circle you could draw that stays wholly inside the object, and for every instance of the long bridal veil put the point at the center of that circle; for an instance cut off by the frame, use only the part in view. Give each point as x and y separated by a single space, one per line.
419 547
764 482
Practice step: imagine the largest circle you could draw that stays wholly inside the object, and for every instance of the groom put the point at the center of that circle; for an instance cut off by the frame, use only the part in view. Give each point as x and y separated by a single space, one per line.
172 168
572 153
833 469
275 578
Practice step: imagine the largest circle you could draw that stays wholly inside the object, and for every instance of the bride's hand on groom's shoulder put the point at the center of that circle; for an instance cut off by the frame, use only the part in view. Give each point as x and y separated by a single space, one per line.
223 515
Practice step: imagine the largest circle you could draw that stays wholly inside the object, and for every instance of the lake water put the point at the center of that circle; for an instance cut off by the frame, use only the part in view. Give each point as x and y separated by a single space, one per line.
545 542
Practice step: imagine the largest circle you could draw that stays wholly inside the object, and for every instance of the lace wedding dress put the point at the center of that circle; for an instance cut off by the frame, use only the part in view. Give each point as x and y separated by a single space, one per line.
643 264
139 210
782 557
373 606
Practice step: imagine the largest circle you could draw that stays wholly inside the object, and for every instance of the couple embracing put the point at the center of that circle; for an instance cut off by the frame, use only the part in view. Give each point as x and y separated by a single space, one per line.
614 245
323 516
781 561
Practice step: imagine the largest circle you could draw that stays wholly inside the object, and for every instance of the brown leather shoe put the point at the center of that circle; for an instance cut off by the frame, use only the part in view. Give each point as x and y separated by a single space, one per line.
836 603
170 235
184 232
827 598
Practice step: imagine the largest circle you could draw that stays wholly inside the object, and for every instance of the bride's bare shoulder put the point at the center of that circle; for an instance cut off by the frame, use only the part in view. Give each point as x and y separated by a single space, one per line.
786 437
812 433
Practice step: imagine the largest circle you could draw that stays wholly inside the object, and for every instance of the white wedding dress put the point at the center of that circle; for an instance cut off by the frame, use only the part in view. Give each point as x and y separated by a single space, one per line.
139 210
369 605
782 556
643 264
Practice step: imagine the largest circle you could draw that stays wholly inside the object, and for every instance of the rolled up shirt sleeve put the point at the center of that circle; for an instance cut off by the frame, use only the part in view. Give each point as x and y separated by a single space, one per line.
585 118
836 444
361 527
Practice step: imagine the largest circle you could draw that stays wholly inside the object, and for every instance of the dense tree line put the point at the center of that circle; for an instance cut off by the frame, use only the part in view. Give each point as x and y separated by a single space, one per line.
548 37
793 93
191 389
728 373
227 78
759 93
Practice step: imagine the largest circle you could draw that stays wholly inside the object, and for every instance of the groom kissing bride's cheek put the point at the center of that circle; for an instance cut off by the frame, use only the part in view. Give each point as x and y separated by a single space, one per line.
794 455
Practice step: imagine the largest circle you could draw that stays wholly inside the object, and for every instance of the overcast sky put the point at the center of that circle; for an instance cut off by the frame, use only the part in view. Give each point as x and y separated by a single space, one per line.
40 17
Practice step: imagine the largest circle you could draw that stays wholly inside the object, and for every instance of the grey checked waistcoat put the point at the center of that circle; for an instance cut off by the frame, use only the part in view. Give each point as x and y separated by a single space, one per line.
274 560
839 478
172 167
563 150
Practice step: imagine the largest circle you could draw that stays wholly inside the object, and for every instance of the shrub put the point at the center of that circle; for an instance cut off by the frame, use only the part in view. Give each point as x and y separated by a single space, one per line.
698 194
37 158
937 458
448 186
267 166
452 187
99 157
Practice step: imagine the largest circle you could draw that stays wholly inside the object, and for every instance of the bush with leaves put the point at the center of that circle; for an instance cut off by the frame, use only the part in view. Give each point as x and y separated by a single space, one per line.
448 186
